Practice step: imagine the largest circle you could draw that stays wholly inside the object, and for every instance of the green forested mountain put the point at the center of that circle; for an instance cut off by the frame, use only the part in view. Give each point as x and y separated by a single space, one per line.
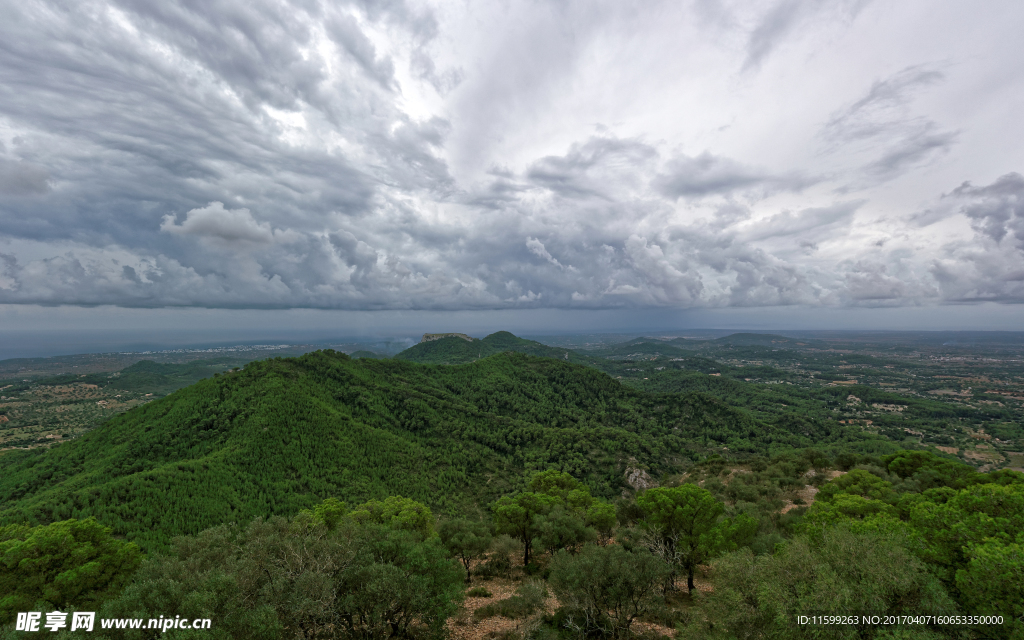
452 350
328 496
282 434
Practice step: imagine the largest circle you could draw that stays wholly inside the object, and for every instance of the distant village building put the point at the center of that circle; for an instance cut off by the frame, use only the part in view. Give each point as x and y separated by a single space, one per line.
428 337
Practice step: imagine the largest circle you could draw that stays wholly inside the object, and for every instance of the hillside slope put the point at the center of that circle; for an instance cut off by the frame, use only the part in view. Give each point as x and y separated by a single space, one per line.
283 434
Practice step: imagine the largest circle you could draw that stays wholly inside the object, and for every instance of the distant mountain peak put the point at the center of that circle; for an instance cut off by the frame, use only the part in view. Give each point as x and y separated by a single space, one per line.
430 337
439 348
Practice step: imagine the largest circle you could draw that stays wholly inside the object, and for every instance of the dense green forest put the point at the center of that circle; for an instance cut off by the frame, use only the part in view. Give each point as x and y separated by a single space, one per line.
282 434
907 545
42 410
453 350
635 493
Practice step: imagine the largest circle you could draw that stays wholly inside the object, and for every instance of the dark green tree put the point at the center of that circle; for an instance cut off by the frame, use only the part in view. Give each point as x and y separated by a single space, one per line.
560 528
465 539
688 526
520 515
603 590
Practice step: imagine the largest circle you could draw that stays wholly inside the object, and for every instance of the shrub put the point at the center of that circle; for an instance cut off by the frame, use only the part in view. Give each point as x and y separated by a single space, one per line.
858 482
603 590
528 598
499 562
368 581
760 596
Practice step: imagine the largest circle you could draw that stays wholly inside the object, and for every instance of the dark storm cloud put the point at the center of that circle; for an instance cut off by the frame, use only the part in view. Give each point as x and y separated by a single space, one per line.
873 283
387 155
504 189
996 210
181 96
990 268
878 112
916 147
23 178
214 221
172 131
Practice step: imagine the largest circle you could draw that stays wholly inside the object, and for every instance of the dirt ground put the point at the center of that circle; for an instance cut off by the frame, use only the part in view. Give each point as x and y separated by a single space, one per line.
807 493
463 626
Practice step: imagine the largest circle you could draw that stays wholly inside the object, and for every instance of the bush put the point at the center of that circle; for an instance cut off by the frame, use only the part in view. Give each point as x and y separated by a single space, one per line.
528 598
275 576
760 596
603 590
397 512
479 592
858 482
499 561
561 529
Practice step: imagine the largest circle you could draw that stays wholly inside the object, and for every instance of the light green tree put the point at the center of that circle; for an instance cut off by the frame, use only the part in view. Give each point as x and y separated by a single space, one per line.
396 512
329 513
969 518
858 483
601 516
74 563
552 482
992 584
842 507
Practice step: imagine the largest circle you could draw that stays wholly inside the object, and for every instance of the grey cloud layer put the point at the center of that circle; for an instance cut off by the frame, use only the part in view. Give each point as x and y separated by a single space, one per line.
269 155
882 125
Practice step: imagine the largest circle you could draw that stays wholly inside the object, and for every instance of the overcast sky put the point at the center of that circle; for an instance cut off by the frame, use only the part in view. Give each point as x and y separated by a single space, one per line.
647 157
